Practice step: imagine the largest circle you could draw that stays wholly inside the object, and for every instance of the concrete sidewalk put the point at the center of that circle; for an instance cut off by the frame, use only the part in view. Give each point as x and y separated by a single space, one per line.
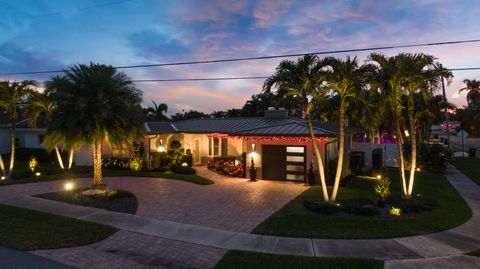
14 259
446 244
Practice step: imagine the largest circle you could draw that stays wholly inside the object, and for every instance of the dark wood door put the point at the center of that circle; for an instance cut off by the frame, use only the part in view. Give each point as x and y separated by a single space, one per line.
274 162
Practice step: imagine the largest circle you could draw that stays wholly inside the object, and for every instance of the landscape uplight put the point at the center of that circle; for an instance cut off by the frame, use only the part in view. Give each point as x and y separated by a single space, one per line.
379 176
3 178
68 186
37 174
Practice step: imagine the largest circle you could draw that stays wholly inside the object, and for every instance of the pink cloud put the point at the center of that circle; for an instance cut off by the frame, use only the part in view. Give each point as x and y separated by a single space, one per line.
268 12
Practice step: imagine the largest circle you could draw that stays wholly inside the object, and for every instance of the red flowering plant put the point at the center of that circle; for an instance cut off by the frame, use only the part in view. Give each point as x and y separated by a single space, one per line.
228 168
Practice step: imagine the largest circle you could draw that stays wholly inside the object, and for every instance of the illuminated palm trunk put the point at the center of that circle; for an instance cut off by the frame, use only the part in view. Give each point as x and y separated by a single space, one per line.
59 158
97 165
70 159
12 141
317 155
2 165
341 150
401 161
413 139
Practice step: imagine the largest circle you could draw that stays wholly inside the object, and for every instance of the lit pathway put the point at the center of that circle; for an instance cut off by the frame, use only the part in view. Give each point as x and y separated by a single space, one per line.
425 251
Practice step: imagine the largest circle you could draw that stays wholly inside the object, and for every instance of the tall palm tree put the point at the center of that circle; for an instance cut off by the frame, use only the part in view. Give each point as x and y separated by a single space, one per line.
472 86
419 77
301 78
12 95
382 74
94 103
344 78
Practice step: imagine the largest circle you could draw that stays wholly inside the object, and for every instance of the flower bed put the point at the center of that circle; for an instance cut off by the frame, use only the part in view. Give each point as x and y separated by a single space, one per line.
228 168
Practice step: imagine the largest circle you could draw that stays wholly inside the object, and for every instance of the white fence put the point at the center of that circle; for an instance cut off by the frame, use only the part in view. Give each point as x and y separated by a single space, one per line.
390 153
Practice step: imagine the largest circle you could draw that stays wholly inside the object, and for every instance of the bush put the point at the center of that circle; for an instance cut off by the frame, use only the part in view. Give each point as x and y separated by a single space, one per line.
159 160
228 168
185 170
382 188
42 155
173 167
359 206
432 157
322 207
135 164
224 158
417 205
120 163
187 158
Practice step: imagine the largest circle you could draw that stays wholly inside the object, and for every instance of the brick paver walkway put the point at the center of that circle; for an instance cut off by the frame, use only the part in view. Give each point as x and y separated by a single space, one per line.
231 204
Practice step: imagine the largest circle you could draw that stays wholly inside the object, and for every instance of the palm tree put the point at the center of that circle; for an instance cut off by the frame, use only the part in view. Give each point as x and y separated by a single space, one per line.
40 104
12 94
382 74
95 103
419 77
157 110
472 86
344 78
301 78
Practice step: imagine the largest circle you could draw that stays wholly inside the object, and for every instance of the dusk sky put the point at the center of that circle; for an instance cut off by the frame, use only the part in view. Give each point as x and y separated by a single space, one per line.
47 34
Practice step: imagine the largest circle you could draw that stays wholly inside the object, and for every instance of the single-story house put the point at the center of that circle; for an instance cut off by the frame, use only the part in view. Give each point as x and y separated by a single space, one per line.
279 145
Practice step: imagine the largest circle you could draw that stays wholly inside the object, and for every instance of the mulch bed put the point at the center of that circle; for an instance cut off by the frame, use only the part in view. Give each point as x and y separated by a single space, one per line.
115 200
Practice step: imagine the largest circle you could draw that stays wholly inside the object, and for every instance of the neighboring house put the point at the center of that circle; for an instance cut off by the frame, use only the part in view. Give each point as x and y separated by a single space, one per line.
26 136
279 145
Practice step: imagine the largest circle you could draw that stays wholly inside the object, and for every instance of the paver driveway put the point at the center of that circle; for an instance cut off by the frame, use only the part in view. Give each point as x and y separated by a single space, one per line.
231 204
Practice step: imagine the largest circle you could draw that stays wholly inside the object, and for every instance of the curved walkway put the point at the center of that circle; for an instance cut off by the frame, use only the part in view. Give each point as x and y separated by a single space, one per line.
446 247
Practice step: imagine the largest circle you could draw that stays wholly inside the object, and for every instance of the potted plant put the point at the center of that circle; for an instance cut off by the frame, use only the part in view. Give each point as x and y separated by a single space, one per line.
253 171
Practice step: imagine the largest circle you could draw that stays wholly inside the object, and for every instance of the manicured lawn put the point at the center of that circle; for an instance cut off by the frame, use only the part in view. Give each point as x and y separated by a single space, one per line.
50 173
294 220
252 260
26 229
468 166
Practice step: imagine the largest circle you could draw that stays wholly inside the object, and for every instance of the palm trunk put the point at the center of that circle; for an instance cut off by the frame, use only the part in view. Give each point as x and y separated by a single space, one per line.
70 159
97 165
341 150
413 138
59 158
372 136
379 137
401 164
318 155
12 141
2 166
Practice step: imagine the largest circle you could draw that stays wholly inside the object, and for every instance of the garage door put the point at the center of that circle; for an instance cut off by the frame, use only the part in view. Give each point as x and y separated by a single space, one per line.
283 162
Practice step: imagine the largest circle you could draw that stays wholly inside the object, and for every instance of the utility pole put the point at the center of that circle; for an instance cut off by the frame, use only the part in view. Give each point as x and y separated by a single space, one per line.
447 120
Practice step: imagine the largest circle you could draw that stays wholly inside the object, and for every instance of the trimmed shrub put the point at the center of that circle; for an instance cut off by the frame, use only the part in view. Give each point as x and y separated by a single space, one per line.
120 163
173 167
224 158
159 160
321 207
185 170
432 157
228 168
187 158
359 206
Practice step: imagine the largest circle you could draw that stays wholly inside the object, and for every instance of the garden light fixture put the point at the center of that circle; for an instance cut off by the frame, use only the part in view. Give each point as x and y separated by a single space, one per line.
379 176
68 186
37 174
3 177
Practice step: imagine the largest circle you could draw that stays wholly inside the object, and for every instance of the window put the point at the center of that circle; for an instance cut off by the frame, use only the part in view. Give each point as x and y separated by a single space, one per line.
224 147
216 147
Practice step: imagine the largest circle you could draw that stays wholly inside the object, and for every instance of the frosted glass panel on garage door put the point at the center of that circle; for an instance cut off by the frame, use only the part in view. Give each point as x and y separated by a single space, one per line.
295 149
295 159
295 168
295 177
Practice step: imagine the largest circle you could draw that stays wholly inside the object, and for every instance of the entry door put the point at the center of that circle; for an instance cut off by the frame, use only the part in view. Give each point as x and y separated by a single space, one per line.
274 162
196 156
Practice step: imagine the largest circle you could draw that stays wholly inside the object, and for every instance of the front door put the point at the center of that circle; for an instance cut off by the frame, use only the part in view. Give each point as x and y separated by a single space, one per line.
196 154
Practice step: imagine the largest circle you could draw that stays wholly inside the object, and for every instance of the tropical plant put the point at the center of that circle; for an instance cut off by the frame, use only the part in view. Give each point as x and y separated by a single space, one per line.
472 87
344 78
301 78
12 95
95 103
40 104
157 111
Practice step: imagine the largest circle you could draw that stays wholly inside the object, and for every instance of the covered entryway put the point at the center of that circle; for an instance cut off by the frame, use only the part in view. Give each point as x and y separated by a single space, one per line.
280 162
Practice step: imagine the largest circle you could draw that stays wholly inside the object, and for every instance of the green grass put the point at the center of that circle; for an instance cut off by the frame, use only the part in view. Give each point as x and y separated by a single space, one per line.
468 166
50 173
294 220
242 260
26 229
474 253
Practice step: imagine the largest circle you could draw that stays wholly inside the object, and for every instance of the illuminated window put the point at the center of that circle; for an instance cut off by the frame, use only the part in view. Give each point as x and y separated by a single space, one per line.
224 147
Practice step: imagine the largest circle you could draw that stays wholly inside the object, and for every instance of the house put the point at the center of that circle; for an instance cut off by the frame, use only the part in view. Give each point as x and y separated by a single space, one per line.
280 146
26 136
